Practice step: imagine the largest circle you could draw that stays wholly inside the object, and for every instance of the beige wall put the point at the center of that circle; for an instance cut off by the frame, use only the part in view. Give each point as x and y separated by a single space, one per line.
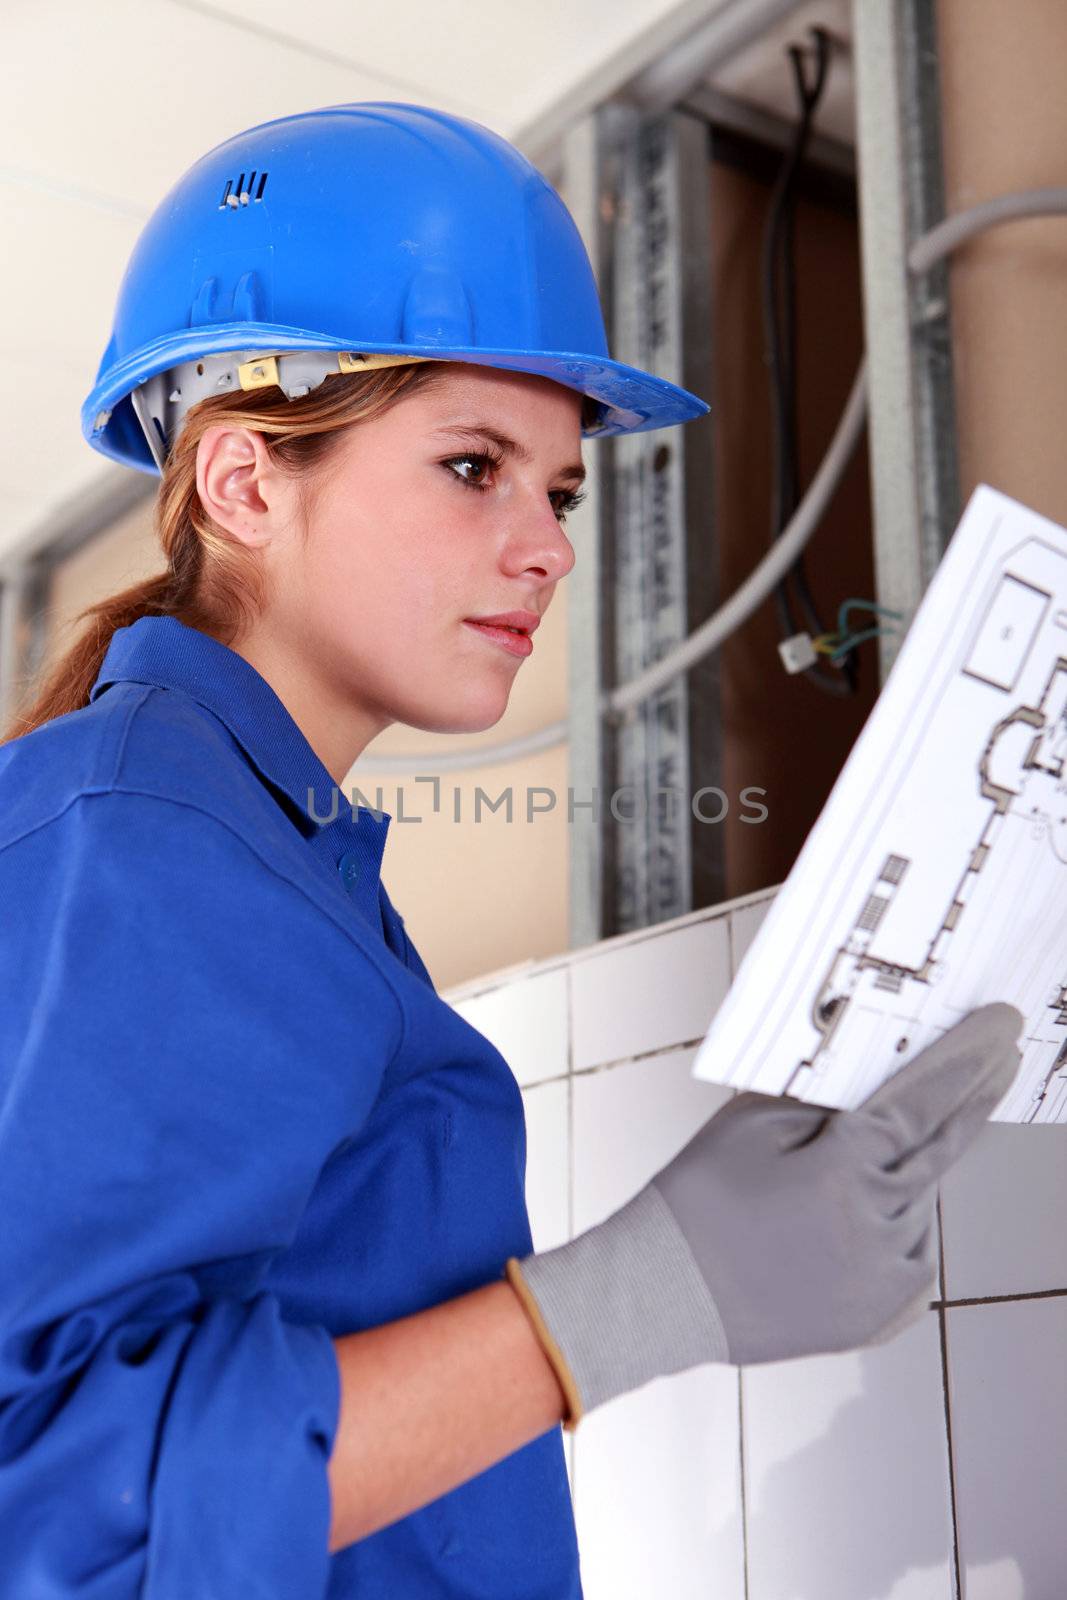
127 553
1005 128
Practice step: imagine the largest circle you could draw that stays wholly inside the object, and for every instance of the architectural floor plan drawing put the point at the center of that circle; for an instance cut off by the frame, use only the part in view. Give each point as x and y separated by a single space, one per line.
935 879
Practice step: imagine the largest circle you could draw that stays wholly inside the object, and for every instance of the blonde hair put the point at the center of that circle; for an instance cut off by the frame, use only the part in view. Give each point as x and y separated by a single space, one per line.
212 582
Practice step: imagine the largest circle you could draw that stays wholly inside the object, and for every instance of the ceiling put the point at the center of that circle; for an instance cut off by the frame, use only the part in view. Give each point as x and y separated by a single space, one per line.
106 102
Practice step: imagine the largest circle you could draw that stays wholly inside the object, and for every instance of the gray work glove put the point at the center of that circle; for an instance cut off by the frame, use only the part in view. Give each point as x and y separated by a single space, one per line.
782 1229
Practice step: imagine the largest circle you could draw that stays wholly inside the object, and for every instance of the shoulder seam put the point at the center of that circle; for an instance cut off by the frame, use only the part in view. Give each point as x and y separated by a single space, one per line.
103 786
120 750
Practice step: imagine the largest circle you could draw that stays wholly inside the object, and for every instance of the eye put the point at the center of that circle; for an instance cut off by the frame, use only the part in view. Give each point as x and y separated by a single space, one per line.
564 500
481 462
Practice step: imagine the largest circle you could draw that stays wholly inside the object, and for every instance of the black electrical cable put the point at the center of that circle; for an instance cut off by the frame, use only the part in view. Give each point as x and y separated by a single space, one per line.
779 313
782 342
840 678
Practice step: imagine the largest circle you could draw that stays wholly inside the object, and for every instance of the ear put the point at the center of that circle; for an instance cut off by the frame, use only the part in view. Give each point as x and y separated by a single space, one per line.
239 487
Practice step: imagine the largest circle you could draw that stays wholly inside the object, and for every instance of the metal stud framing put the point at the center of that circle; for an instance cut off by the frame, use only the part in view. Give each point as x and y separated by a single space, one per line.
911 408
636 862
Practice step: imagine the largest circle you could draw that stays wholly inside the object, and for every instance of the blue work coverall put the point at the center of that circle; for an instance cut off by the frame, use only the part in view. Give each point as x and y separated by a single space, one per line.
236 1122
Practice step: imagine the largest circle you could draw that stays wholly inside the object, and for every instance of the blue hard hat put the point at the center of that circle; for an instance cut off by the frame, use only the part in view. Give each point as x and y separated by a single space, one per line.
357 230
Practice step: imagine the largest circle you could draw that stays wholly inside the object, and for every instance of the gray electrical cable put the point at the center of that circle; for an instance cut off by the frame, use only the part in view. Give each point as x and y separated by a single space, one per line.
431 762
947 236
759 583
934 246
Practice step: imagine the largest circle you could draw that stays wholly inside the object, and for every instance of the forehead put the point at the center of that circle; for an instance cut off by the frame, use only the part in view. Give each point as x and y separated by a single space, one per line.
515 396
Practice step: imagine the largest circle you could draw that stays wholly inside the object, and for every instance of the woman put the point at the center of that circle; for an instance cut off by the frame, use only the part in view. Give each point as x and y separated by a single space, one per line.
271 1322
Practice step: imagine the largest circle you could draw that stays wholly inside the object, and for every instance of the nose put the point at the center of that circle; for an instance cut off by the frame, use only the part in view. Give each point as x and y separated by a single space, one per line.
538 543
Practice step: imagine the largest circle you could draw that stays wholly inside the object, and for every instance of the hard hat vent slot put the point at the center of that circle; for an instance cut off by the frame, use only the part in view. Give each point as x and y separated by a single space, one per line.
239 193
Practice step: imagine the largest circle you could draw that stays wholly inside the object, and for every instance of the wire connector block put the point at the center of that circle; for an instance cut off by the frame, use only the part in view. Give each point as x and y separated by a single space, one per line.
798 652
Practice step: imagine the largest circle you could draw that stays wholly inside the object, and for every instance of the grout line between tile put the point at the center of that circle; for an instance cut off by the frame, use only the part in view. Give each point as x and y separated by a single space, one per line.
570 1119
643 1055
539 1083
744 1500
570 1191
998 1299
694 1044
956 1571
942 1334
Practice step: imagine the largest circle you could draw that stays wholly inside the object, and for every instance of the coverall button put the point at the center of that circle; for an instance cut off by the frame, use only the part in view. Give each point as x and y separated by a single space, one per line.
348 867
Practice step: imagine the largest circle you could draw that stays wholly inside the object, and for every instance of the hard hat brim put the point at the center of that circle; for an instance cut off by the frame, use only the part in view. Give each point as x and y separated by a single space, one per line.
635 400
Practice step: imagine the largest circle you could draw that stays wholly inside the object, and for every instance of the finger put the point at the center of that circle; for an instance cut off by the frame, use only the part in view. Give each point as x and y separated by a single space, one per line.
891 1177
927 1163
894 1189
972 1060
921 1276
930 1163
917 1230
915 1272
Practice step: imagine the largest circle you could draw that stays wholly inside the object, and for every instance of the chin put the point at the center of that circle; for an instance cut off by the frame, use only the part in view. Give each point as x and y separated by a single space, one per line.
459 719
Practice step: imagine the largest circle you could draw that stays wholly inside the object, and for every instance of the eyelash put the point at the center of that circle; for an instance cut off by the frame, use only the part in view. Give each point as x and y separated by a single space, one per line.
571 497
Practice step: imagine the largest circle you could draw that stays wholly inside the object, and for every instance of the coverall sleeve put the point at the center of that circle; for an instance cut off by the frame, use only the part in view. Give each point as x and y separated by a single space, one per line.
185 1037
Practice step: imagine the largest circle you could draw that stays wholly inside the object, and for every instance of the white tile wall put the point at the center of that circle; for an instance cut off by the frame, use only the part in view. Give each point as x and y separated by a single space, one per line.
658 1492
846 1457
628 1123
527 1021
846 1474
657 1471
744 925
996 1206
548 1163
1007 1366
650 993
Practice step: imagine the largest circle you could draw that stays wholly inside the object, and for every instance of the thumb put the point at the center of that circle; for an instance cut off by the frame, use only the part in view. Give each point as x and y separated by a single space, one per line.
960 1078
932 1160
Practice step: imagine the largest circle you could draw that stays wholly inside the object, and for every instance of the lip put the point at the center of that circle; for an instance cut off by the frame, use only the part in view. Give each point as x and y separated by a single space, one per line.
528 621
516 644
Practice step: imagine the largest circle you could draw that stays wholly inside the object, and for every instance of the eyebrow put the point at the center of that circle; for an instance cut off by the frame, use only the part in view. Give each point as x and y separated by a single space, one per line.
475 433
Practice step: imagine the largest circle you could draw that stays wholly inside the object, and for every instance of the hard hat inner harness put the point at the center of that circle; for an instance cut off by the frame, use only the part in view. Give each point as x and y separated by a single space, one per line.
163 401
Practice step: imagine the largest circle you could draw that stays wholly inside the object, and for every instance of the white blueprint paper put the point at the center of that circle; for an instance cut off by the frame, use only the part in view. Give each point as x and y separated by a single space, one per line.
935 879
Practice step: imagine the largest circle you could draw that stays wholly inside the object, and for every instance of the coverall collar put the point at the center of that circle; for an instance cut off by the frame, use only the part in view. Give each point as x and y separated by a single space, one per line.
171 655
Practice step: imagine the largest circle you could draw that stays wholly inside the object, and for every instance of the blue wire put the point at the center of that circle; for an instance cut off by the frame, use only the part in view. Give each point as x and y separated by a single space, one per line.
867 605
857 638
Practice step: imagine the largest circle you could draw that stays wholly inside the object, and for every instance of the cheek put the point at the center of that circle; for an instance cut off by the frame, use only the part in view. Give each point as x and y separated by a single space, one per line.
412 566
378 581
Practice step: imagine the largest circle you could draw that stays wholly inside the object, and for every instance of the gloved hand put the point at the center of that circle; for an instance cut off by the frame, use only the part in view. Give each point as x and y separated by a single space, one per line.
782 1229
